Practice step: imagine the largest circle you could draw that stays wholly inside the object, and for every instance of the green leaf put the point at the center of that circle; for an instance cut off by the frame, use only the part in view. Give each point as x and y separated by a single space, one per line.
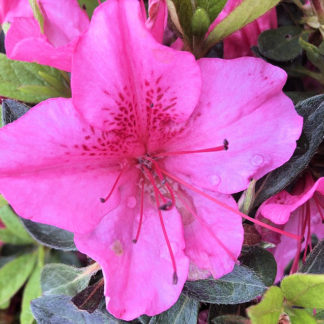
184 311
239 286
89 6
315 260
269 309
5 305
50 236
281 44
61 279
3 201
300 316
305 290
22 81
262 262
184 11
14 274
212 7
312 110
59 309
37 14
32 291
13 227
246 12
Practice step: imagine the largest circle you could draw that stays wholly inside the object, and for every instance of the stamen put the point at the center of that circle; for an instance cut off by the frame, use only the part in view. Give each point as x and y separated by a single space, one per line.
253 220
103 200
301 226
308 240
141 214
175 276
318 205
224 147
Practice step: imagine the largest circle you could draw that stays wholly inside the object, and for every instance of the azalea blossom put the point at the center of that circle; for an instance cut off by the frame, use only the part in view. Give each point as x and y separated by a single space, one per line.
240 42
139 164
302 213
64 22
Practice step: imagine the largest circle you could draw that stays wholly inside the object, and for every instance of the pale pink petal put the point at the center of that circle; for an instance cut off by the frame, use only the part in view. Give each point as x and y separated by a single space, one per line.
9 9
64 22
158 17
138 277
241 101
57 170
208 242
138 86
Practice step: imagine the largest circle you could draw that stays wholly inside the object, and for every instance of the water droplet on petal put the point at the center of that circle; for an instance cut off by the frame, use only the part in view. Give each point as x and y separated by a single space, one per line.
215 180
257 160
131 202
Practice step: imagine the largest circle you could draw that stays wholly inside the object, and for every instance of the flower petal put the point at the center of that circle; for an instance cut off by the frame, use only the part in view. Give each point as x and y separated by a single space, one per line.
138 85
241 102
14 8
138 277
158 17
63 24
53 168
208 243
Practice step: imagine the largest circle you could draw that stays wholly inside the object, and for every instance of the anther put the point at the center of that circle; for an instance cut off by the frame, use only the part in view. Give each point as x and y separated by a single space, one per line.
175 278
225 144
166 206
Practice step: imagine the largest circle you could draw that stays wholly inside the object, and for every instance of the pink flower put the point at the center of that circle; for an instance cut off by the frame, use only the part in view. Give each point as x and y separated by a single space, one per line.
136 164
64 22
14 8
158 17
301 212
239 43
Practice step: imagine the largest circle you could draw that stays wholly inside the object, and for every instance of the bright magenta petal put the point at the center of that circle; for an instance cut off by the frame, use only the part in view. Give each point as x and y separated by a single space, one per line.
241 101
57 170
158 17
133 84
9 9
64 21
138 277
213 236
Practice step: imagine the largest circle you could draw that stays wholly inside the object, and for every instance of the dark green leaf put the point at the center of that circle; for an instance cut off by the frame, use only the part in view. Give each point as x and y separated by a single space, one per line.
262 262
315 260
50 236
229 319
184 11
22 81
89 6
14 274
239 286
184 311
281 44
312 110
61 279
12 110
60 309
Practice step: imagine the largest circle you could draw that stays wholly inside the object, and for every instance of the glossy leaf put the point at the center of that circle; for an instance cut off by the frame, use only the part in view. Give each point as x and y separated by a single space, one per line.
239 286
12 110
21 81
61 279
315 260
50 236
184 311
305 290
281 44
269 309
14 274
262 262
312 110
